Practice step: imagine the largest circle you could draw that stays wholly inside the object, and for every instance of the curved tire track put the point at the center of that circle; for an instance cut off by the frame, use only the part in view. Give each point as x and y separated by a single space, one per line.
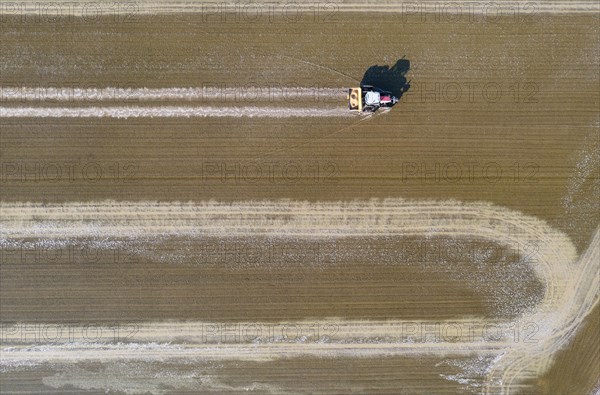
571 286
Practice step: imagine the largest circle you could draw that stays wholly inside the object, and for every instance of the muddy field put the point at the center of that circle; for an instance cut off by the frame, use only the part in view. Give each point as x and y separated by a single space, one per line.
188 206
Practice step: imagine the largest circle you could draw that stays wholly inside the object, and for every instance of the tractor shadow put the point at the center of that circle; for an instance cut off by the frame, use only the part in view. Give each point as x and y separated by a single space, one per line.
391 79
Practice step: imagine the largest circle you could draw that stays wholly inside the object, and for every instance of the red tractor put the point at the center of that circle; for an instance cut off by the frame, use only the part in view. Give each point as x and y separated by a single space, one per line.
369 98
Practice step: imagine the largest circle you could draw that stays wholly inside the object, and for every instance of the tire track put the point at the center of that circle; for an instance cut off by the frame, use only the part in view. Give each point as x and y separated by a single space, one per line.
571 286
250 92
29 7
583 295
126 112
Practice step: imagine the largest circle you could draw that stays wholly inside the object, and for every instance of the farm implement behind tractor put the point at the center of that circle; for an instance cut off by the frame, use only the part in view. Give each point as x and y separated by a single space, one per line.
369 99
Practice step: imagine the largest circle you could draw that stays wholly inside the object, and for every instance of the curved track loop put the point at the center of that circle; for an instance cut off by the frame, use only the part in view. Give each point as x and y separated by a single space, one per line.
571 284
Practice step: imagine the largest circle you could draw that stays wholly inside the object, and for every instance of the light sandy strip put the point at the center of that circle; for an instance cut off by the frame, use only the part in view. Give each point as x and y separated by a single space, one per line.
324 9
126 112
571 286
558 327
403 334
134 220
218 93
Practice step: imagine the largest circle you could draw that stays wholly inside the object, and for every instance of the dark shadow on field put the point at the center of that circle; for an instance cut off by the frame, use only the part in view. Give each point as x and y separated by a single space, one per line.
391 79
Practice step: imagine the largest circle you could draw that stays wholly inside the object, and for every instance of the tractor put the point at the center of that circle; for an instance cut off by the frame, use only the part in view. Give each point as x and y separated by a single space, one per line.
367 98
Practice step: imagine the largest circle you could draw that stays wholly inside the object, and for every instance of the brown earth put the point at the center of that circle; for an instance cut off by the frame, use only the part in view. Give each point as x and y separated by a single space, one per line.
520 150
272 280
